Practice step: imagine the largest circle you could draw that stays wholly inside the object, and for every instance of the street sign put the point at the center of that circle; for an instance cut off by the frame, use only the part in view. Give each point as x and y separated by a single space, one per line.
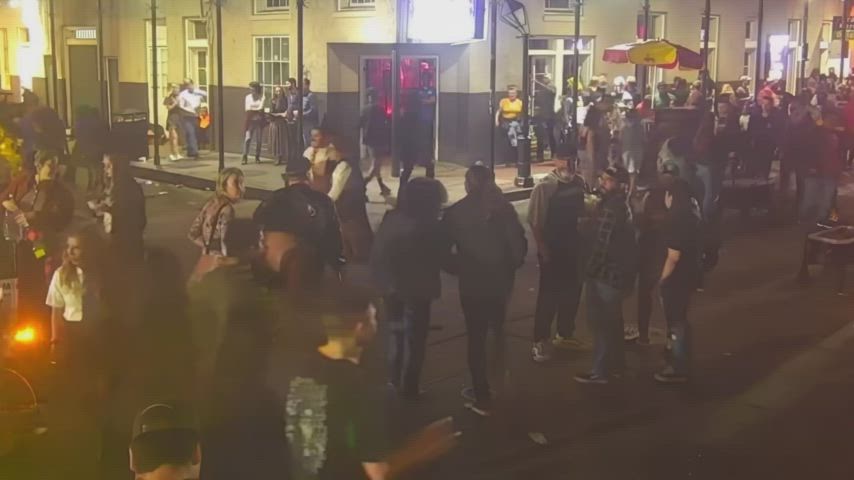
837 28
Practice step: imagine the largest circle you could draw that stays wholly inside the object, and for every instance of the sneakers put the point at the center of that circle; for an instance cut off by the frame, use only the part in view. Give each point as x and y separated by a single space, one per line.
468 394
566 343
631 334
668 376
482 408
540 352
591 379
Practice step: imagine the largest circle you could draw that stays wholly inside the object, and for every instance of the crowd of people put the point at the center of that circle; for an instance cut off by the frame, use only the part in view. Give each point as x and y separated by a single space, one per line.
272 349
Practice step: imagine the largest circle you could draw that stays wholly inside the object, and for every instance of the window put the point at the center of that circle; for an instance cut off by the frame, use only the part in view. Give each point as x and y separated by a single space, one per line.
271 6
355 4
657 29
555 57
749 67
162 68
272 62
561 6
714 32
198 66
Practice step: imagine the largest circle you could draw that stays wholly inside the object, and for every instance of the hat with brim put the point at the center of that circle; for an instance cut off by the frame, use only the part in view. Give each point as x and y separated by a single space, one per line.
162 417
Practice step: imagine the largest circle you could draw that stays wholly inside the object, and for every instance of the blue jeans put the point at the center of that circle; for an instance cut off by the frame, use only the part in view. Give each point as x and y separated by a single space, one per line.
674 302
409 322
252 133
712 178
605 313
818 198
190 125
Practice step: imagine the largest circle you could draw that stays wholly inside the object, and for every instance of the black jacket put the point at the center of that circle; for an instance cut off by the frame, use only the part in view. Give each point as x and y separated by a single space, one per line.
486 246
406 257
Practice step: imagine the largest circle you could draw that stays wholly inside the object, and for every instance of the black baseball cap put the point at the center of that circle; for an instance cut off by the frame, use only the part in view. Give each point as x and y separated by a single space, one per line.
163 417
670 168
298 167
618 173
296 211
566 150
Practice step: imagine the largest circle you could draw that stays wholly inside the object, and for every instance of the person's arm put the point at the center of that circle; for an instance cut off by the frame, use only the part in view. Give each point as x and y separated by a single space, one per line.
340 176
498 113
225 218
56 303
670 264
309 105
537 210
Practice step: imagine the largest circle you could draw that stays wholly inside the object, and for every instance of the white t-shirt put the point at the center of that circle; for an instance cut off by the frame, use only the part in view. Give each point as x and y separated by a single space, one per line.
67 297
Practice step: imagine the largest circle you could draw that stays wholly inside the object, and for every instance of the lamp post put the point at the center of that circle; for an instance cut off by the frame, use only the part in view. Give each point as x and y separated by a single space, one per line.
843 48
155 90
54 78
575 71
300 76
493 48
707 21
760 61
220 102
515 14
805 47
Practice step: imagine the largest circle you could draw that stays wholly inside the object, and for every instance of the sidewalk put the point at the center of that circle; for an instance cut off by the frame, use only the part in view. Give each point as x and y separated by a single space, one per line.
266 177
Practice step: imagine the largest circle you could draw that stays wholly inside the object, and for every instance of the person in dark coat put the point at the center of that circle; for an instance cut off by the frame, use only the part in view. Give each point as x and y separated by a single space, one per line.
122 208
765 130
487 246
90 134
405 262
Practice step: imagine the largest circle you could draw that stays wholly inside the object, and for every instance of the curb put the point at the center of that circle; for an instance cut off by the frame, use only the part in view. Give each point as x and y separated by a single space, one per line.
253 193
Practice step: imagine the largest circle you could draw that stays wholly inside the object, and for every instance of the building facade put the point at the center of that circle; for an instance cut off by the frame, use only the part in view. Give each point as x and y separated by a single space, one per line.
349 45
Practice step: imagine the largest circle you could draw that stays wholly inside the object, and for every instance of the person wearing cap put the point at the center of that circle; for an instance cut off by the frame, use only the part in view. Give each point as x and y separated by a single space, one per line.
611 271
764 130
347 191
405 262
556 205
189 102
680 277
165 444
742 92
597 125
544 116
253 125
664 99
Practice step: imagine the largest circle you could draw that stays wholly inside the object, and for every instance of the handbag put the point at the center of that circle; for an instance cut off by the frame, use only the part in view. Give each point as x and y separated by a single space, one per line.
206 262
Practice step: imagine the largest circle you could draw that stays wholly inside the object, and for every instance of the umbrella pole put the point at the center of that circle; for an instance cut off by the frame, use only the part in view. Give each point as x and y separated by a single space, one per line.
644 69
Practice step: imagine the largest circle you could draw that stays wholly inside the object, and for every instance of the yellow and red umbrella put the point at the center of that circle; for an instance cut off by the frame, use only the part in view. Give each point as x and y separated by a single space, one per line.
655 53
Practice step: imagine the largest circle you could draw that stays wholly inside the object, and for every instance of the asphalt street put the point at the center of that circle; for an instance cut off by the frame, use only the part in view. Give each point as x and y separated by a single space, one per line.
771 398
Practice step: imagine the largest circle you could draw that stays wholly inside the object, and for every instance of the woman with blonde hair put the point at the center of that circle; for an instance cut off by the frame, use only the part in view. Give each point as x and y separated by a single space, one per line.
209 228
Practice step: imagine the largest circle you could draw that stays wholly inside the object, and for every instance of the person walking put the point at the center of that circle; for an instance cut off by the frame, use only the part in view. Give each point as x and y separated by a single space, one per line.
822 172
190 101
610 272
122 209
556 205
405 263
253 127
413 145
211 224
310 112
348 193
376 137
680 277
89 131
544 117
487 245
765 129
173 121
295 144
597 128
279 108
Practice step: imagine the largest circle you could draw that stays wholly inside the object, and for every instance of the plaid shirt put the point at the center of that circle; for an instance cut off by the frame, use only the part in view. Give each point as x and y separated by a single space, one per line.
602 265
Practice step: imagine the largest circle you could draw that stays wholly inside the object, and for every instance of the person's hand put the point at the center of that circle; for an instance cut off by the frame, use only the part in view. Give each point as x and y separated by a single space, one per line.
429 444
21 219
497 123
10 205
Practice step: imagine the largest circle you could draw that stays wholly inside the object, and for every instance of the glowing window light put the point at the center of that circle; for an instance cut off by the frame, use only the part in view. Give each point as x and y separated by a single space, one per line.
30 57
442 21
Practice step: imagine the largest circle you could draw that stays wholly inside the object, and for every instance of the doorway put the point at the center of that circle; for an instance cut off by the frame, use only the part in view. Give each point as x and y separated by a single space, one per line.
83 81
112 72
417 98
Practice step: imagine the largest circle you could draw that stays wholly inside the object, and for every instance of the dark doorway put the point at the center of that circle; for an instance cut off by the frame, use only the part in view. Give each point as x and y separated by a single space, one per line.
83 77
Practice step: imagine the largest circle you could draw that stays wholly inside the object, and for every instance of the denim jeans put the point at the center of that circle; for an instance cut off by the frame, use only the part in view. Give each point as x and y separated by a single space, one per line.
605 313
711 177
481 314
409 321
252 133
559 294
818 198
190 125
675 301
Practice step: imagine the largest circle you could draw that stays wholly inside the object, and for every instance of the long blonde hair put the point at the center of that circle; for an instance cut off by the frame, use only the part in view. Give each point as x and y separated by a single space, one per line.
91 244
222 181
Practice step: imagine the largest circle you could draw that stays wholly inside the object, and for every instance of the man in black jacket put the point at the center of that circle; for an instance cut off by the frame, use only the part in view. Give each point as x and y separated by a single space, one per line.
487 245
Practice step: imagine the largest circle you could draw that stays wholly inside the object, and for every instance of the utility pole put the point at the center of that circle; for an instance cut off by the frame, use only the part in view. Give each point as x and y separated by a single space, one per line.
53 74
644 70
301 77
805 47
493 49
155 91
843 49
575 71
707 22
220 102
760 60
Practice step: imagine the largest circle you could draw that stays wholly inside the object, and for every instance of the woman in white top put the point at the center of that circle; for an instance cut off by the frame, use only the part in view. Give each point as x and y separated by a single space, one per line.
72 294
255 120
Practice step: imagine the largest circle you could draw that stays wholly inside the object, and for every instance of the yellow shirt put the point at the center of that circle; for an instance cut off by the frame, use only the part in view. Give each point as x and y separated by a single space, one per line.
510 109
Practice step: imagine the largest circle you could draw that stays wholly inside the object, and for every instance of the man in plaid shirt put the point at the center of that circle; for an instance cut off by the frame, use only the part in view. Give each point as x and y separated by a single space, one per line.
609 274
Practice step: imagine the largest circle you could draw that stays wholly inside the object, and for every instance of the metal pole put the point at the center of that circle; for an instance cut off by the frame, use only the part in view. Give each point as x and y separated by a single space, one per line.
395 111
804 48
300 76
54 78
523 166
644 69
760 61
843 50
575 72
101 77
707 21
155 91
220 102
493 48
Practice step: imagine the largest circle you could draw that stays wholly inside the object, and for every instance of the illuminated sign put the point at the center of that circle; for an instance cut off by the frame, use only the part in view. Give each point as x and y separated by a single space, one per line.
445 21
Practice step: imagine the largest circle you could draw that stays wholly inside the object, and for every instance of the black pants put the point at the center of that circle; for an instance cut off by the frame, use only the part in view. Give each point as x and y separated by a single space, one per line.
481 314
559 294
545 131
409 323
675 301
429 172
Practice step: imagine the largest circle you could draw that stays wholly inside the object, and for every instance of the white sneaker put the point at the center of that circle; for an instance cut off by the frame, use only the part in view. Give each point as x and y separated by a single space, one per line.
173 157
540 352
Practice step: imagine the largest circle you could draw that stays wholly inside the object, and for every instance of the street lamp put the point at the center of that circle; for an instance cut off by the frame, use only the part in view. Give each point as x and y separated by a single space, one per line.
514 14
